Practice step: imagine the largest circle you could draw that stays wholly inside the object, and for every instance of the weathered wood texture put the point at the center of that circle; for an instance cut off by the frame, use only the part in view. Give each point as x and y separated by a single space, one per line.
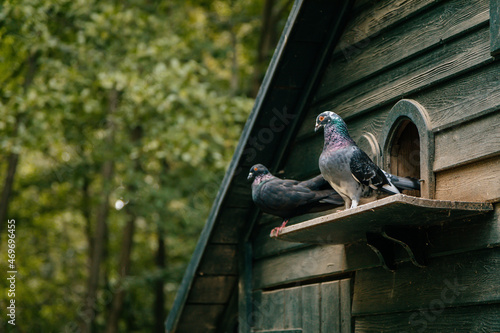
481 318
495 26
316 261
212 289
398 210
200 318
428 30
458 280
475 140
219 259
315 308
472 182
305 263
376 18
445 62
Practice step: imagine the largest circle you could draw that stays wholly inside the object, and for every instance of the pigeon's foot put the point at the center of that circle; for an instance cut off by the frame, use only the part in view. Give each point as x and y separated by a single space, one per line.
276 231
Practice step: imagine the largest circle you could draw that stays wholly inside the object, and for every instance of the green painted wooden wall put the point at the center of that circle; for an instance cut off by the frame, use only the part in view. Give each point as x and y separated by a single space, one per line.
438 53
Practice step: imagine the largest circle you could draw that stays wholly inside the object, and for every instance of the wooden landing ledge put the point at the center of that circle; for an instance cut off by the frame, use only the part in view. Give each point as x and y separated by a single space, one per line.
399 210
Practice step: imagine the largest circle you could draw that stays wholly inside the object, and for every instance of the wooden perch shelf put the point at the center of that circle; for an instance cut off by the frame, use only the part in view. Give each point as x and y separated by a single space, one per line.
383 224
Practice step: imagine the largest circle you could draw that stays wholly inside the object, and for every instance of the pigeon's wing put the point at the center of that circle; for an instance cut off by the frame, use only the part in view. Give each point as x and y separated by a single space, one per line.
316 183
365 171
285 197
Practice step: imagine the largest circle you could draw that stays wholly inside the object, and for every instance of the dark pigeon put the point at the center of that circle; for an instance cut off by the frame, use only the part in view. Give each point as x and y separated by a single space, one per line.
287 198
348 169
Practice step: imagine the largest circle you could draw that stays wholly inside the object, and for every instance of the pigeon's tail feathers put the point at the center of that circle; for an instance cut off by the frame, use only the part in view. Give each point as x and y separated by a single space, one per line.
334 199
405 183
390 188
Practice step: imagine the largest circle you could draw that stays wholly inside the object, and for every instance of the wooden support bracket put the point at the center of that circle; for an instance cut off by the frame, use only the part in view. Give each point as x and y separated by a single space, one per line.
384 245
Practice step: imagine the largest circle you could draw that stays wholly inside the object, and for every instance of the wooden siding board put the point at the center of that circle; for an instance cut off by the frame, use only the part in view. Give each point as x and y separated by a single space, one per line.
475 140
311 298
415 36
294 266
274 316
345 306
293 307
373 20
265 246
330 307
449 60
212 289
473 182
482 318
465 279
495 26
463 99
229 225
199 318
219 259
477 233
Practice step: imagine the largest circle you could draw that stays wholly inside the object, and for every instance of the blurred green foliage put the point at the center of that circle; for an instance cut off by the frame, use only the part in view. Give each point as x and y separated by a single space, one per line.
182 73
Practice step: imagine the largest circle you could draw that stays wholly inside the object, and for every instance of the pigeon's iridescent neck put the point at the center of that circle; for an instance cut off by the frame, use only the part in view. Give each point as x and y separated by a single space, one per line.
262 178
336 138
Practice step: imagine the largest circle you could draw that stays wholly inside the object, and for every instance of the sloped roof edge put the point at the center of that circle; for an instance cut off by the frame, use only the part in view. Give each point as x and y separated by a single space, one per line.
193 265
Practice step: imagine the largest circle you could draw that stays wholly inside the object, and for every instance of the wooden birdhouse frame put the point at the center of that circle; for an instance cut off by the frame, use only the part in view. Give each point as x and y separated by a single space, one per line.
404 115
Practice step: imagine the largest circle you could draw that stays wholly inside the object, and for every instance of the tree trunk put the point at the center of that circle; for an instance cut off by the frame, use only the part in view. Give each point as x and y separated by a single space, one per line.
13 159
269 34
86 211
125 252
159 303
124 266
101 224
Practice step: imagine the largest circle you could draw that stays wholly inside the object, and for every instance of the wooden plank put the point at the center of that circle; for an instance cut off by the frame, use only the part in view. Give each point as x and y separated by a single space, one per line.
219 259
330 307
377 18
463 99
265 246
293 307
458 280
212 289
397 210
311 305
495 27
199 318
475 140
245 296
415 36
305 263
481 318
345 306
478 232
230 223
272 305
472 182
256 319
445 62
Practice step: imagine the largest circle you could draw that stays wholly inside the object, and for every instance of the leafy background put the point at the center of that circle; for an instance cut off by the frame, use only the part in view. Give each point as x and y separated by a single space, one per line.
117 122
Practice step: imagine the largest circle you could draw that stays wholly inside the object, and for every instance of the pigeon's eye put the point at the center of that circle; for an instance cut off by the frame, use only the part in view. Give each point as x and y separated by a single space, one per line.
255 169
321 118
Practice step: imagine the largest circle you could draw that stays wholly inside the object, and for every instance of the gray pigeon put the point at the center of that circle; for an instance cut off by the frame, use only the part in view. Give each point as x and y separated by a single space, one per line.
287 198
347 168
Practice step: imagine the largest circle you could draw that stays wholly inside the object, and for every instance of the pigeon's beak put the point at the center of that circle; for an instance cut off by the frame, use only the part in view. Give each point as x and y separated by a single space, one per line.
250 176
316 128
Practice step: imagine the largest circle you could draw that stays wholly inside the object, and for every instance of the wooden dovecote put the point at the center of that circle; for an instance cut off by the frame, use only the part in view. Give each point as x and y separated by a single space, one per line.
395 70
